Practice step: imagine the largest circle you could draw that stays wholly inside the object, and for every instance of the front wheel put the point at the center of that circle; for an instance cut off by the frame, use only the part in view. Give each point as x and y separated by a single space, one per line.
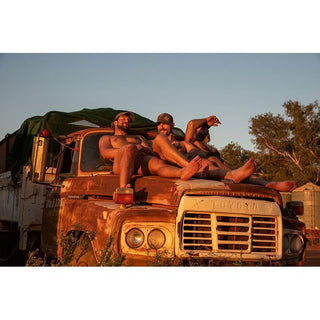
85 260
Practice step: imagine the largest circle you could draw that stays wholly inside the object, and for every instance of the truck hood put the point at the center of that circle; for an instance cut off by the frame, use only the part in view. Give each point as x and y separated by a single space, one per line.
163 191
169 191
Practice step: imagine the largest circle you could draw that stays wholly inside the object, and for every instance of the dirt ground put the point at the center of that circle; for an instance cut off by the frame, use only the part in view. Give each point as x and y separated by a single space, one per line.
312 255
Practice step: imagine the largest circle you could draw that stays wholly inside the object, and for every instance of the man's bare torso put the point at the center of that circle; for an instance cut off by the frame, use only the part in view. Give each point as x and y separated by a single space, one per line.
120 141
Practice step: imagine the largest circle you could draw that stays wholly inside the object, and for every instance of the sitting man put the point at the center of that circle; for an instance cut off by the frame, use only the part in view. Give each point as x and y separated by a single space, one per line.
197 133
165 126
132 154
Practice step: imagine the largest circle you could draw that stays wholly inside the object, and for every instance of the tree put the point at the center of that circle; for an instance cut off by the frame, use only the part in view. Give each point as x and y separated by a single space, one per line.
288 146
234 155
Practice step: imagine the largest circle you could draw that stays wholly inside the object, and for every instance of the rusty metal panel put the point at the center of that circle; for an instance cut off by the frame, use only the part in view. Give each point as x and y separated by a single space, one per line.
158 190
103 217
163 191
102 185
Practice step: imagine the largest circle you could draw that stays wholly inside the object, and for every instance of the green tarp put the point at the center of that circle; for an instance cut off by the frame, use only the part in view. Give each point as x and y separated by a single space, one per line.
63 123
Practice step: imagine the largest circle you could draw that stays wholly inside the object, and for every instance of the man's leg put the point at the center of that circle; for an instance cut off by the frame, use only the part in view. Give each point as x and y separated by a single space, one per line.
167 152
124 164
217 162
282 186
156 166
236 175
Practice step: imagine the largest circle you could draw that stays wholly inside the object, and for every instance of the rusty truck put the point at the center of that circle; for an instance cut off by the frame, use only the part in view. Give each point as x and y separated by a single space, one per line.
195 222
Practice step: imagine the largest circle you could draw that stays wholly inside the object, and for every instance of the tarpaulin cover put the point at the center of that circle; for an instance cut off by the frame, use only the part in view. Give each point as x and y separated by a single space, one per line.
63 123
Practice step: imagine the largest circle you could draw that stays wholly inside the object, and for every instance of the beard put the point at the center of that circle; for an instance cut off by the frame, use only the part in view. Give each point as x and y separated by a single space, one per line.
123 128
166 132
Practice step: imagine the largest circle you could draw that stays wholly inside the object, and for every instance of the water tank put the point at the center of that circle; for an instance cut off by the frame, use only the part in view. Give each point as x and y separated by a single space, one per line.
310 195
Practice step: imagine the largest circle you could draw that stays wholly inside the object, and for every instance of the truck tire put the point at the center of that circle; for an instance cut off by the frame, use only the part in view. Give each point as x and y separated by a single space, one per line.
87 260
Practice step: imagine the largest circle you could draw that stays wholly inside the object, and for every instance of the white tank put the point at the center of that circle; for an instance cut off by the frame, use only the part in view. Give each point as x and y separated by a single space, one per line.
310 195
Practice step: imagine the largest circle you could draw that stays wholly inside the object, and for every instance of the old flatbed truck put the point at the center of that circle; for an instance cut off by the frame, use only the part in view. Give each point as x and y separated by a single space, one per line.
200 220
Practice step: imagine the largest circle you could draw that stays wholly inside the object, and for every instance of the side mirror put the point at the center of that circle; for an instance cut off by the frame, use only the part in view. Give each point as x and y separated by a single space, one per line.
38 158
296 206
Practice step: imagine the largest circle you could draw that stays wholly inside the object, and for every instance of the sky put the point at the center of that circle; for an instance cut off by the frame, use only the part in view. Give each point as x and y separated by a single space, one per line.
232 86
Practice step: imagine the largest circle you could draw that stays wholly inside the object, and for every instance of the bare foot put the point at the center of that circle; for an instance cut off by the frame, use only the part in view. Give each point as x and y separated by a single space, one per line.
203 172
283 186
243 172
191 169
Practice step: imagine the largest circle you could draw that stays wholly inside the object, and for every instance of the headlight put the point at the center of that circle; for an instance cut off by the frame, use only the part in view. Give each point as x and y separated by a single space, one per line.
134 238
296 244
156 239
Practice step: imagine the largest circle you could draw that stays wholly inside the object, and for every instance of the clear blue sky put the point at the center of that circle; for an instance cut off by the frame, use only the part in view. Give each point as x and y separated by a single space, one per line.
233 86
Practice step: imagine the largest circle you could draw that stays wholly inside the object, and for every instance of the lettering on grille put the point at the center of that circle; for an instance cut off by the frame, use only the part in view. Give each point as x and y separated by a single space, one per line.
229 233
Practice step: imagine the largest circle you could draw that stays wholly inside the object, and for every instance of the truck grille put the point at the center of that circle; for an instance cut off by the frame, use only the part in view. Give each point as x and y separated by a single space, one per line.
229 233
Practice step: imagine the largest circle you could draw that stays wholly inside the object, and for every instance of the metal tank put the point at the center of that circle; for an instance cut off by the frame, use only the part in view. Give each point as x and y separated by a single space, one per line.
310 195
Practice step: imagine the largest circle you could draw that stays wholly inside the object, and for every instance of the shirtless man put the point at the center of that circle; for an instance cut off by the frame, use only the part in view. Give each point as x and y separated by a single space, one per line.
173 151
197 133
132 154
165 126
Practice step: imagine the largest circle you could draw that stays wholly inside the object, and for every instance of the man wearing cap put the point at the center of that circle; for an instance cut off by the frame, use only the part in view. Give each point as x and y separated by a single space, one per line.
165 145
132 154
195 143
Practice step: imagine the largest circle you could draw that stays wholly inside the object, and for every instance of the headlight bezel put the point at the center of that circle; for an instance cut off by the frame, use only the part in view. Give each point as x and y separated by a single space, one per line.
288 245
167 250
130 242
293 243
161 234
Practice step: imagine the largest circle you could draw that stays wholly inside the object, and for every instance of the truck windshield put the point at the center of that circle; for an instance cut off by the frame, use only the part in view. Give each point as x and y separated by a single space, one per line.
90 156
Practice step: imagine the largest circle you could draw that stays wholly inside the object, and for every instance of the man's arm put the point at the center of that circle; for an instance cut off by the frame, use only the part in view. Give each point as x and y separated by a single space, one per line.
194 124
107 151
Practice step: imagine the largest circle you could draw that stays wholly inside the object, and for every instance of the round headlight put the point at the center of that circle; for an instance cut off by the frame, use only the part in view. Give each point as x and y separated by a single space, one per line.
296 244
134 238
156 239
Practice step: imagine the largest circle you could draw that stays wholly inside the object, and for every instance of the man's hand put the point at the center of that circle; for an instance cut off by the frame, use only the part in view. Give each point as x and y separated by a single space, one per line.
213 121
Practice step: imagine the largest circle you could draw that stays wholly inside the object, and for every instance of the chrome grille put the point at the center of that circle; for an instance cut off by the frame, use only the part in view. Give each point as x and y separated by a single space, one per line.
232 232
197 231
263 234
222 232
